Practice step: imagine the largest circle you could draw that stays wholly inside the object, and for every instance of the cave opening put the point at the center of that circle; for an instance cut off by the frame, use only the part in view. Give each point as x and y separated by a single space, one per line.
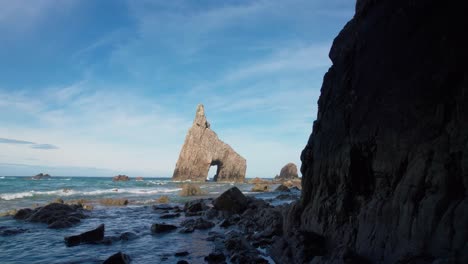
213 172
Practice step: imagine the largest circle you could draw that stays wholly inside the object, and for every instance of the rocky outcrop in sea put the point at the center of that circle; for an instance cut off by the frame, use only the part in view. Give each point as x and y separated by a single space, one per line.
202 149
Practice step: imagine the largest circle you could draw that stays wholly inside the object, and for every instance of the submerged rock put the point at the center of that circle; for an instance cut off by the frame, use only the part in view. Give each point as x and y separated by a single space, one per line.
202 149
162 228
261 188
92 236
232 200
10 231
56 215
118 258
191 189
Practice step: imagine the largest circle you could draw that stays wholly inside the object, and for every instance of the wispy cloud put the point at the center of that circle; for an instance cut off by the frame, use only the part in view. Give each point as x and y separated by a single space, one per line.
14 141
44 146
23 142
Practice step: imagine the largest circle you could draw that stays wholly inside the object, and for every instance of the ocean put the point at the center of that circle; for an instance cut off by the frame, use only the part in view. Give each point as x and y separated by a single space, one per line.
42 245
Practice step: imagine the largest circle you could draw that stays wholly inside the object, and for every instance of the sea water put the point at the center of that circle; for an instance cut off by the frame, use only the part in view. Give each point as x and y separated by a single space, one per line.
42 245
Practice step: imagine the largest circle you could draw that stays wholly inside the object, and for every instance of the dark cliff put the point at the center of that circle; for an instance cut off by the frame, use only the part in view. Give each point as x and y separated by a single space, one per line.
385 171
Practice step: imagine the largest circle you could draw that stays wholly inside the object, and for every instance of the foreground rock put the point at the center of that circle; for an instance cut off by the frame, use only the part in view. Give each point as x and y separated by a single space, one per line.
40 176
232 200
385 169
287 173
202 149
118 258
191 224
93 236
121 178
55 215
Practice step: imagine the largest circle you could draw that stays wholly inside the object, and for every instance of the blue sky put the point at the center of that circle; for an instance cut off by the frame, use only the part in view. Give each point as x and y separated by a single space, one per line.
96 88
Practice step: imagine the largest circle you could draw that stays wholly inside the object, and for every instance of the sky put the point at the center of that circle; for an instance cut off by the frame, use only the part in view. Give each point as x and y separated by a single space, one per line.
98 88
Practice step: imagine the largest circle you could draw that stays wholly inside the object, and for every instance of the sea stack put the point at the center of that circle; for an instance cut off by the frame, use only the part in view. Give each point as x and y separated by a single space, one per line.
385 171
288 172
202 149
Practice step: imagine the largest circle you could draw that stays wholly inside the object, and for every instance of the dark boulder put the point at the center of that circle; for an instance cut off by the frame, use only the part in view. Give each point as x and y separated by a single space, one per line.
118 258
182 262
232 200
8 231
89 237
40 176
195 206
162 228
55 215
215 258
198 223
282 188
121 178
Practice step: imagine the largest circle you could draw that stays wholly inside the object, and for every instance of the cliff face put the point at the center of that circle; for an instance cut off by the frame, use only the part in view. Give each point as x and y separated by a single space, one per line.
202 149
385 171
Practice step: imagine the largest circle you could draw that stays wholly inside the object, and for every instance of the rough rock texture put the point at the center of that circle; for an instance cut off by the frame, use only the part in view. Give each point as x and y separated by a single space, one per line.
202 149
232 200
121 178
118 258
40 176
385 171
55 215
288 172
92 236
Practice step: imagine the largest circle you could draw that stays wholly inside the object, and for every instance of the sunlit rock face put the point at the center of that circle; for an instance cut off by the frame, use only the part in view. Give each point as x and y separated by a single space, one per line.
385 171
202 149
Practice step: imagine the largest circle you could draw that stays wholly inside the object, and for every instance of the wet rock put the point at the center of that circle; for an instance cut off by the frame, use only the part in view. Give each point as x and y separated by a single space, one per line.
286 197
199 223
56 215
121 178
259 181
162 228
113 202
241 251
92 236
202 149
232 200
232 220
169 215
40 176
163 199
126 236
118 258
288 172
6 231
195 206
181 254
215 258
182 262
282 188
191 189
163 207
261 188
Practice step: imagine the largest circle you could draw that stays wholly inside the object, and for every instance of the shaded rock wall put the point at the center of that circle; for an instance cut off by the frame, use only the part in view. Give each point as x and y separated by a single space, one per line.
202 149
385 171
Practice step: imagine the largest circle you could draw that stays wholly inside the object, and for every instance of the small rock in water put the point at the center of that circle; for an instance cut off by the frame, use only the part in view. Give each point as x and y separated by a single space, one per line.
191 190
261 188
128 236
282 188
215 258
56 215
198 223
181 254
5 231
113 202
182 262
92 236
118 258
172 215
162 228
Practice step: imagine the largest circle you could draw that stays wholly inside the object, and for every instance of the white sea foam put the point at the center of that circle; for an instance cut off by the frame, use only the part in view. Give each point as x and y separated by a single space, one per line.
68 192
2 177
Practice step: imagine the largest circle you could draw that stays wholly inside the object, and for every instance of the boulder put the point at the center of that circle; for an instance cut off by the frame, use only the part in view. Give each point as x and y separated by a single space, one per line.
232 200
195 206
118 258
191 189
121 178
92 236
282 188
259 181
40 176
198 223
385 168
113 202
55 215
10 231
288 172
162 228
202 149
261 187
